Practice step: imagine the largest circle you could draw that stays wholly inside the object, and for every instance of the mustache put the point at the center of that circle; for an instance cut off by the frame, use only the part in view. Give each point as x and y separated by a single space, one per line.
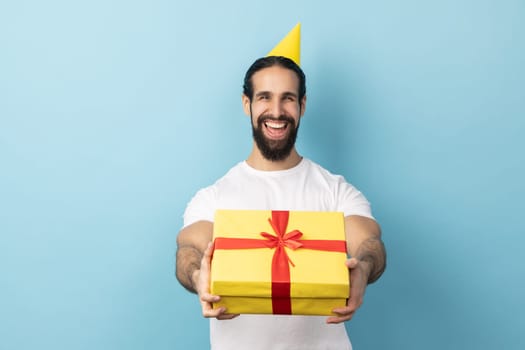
282 117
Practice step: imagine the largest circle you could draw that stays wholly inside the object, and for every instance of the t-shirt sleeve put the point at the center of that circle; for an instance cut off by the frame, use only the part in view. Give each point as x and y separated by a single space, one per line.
200 207
351 201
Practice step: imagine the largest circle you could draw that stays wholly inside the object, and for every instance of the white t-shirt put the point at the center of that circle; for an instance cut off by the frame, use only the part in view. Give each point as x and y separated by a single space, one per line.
306 186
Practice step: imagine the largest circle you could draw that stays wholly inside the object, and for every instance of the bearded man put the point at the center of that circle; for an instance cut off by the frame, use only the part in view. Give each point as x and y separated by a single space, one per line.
276 177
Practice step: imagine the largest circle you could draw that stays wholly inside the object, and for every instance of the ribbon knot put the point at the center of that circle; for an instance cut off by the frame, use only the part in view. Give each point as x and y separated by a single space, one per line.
282 239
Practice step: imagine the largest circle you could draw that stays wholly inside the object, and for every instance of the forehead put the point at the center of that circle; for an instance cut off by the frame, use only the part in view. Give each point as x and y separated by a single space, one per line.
275 79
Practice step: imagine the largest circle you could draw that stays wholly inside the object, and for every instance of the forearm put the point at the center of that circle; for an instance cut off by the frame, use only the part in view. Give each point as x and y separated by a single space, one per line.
372 252
364 243
187 265
191 244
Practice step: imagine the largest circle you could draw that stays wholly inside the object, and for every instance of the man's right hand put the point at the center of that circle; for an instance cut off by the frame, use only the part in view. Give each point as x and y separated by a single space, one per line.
201 280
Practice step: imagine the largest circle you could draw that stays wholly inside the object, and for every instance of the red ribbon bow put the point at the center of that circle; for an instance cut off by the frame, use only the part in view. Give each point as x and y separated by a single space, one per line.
281 302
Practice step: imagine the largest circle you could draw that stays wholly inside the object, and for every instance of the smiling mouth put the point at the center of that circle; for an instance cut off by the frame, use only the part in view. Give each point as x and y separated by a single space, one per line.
275 124
276 129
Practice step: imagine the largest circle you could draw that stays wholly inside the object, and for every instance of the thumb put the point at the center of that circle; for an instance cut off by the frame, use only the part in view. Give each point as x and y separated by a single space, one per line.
351 263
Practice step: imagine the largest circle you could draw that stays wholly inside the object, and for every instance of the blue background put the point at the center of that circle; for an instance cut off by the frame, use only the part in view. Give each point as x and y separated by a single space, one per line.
113 113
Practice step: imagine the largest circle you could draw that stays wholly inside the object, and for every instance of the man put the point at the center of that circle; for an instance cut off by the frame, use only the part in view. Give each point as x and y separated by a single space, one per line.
276 177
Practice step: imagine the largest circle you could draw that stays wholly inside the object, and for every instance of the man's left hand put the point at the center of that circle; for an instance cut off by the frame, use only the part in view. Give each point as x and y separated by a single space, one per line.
359 271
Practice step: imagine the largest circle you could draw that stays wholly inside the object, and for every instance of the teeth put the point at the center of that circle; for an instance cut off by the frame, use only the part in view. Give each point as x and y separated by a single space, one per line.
275 125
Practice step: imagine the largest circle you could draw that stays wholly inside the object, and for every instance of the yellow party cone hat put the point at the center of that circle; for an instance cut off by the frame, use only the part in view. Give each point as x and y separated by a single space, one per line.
290 45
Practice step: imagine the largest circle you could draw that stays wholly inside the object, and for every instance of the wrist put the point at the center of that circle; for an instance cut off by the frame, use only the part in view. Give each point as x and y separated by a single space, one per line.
194 278
367 265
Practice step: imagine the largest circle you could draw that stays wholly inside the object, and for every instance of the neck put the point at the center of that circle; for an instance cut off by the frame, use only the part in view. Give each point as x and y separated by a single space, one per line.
257 161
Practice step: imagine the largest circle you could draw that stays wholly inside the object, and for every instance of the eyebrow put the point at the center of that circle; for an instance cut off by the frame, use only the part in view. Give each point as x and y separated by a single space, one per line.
269 93
263 93
290 94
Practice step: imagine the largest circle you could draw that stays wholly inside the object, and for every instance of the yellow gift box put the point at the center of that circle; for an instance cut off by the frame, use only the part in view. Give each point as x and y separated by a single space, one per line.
279 262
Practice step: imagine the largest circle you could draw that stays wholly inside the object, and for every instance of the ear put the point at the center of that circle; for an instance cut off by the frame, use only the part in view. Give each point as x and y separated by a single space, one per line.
246 104
303 105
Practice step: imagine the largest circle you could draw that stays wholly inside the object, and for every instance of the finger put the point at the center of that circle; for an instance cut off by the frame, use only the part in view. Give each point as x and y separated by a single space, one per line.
342 316
206 261
209 250
208 310
227 316
211 312
218 313
208 297
351 263
336 320
343 311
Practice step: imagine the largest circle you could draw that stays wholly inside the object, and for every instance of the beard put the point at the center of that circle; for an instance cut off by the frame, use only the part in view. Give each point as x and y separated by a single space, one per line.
275 150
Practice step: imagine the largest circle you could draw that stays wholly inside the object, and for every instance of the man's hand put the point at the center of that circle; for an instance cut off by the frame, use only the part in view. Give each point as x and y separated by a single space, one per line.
201 280
359 271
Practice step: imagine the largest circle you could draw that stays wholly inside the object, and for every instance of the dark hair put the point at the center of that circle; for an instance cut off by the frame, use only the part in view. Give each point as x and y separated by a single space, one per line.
270 61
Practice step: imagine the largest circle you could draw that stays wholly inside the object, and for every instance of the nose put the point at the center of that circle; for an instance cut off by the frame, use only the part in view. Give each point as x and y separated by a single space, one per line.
276 108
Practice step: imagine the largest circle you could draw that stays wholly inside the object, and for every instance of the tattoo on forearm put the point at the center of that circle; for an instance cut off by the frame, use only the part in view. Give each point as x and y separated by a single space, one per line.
373 251
188 260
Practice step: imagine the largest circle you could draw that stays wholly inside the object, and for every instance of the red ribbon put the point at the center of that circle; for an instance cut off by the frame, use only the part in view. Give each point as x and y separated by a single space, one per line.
281 301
